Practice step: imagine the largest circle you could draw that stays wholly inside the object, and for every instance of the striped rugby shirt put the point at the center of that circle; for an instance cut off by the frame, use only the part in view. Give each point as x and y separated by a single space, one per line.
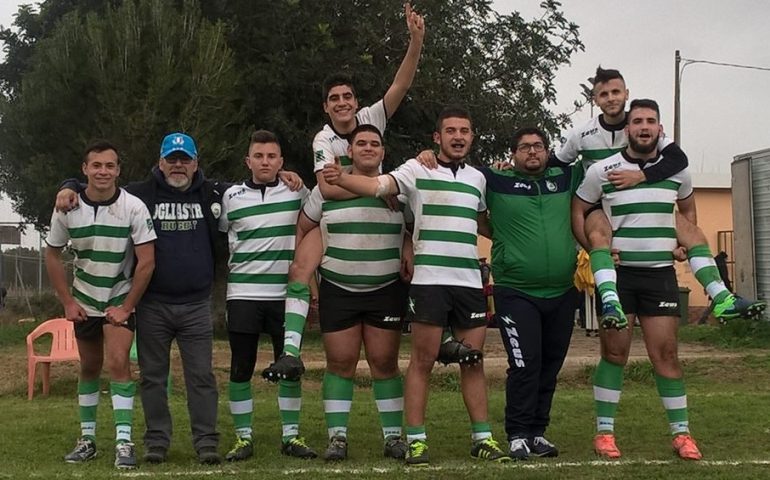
597 140
445 206
329 144
642 217
362 239
102 236
261 228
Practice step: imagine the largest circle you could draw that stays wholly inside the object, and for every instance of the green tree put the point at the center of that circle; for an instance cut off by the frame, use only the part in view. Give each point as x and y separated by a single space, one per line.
131 74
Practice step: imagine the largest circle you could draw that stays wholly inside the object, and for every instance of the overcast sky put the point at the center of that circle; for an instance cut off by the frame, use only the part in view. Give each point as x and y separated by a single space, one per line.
725 111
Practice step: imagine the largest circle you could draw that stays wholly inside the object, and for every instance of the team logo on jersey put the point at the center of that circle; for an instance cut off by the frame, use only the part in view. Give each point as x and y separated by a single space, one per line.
523 185
216 209
589 132
550 186
240 191
150 226
319 155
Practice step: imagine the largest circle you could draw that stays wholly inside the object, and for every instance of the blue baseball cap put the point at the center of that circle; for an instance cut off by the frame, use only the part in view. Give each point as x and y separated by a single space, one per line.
178 142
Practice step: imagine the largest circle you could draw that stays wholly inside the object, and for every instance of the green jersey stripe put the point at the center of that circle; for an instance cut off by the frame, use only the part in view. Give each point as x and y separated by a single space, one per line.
101 256
264 278
642 207
645 232
266 256
358 279
445 186
96 281
362 202
446 236
267 232
101 306
365 228
446 261
99 231
664 184
449 211
663 256
288 206
363 255
599 154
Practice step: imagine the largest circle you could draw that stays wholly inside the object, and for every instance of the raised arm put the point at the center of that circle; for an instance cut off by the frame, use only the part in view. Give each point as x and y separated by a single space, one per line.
405 74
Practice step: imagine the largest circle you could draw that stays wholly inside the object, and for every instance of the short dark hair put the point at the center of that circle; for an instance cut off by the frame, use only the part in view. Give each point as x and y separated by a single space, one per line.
99 146
335 80
452 111
365 127
529 131
605 75
263 136
644 103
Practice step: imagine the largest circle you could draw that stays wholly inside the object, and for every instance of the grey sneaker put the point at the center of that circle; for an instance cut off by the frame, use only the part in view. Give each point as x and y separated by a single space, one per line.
518 448
395 447
85 449
337 449
541 447
125 458
209 456
156 454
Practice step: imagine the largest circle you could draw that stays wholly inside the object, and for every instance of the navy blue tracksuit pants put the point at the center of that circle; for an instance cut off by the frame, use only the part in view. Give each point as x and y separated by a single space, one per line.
536 333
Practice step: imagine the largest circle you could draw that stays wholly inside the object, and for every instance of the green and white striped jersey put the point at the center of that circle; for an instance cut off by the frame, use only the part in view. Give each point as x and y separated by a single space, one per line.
102 236
596 140
328 144
445 206
642 217
362 239
261 227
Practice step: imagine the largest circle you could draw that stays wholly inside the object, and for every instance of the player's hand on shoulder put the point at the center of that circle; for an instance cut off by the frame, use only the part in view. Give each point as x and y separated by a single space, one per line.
427 159
625 178
66 200
498 165
292 180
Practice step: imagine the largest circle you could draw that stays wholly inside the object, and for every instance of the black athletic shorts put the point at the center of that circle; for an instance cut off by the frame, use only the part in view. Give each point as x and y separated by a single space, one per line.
442 305
91 327
255 316
649 292
340 309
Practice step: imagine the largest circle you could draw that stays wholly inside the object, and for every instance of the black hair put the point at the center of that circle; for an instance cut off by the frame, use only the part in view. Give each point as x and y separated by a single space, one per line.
99 146
452 111
365 127
529 131
335 80
644 103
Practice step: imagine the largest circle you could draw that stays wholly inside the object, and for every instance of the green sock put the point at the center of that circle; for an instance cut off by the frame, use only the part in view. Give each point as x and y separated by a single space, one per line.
416 432
123 408
605 276
88 399
672 393
337 397
608 382
480 431
241 408
289 405
389 395
297 306
706 272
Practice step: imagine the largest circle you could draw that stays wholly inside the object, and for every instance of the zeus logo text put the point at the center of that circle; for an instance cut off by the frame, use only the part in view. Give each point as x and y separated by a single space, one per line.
589 132
668 305
525 186
513 341
611 166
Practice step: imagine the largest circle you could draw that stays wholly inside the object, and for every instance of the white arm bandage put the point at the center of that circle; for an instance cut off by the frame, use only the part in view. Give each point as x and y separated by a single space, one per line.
383 189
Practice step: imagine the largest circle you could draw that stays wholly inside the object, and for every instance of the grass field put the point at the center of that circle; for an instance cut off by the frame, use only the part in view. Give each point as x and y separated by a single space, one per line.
729 399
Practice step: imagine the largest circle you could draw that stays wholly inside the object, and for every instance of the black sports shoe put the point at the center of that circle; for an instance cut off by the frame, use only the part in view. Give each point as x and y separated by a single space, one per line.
337 449
286 367
243 449
209 456
541 447
489 449
155 455
296 447
395 447
454 351
125 458
84 450
518 448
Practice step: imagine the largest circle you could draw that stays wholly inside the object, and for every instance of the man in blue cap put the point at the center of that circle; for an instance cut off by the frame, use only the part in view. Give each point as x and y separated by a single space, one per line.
185 208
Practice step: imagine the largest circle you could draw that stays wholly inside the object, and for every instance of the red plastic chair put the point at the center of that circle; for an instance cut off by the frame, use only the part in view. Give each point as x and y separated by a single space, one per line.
64 348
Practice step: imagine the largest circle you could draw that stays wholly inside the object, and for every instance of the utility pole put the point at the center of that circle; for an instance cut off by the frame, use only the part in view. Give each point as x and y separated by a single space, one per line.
677 97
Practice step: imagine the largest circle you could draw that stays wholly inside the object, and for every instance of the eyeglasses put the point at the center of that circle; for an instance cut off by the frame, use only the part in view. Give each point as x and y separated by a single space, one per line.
524 147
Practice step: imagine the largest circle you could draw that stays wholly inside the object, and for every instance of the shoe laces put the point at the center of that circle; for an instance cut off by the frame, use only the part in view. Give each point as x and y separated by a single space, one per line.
492 444
540 440
125 449
241 442
417 448
518 444
298 441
